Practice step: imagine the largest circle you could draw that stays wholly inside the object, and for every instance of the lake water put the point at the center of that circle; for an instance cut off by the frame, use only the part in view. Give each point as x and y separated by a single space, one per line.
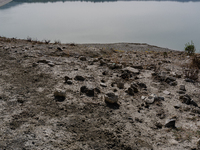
168 24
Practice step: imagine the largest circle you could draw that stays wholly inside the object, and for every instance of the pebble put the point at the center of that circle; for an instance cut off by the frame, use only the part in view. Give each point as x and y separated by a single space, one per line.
79 78
83 58
166 92
170 123
59 92
182 87
103 85
120 85
111 97
132 70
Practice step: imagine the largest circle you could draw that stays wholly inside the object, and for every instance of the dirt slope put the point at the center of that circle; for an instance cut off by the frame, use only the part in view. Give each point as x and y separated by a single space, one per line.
149 82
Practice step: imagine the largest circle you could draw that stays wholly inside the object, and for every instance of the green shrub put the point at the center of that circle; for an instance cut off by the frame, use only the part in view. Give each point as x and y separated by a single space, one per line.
190 48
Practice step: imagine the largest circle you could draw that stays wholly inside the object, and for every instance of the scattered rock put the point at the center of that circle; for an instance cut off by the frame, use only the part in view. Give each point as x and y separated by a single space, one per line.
182 87
143 97
134 87
79 78
114 66
69 82
149 100
103 85
105 72
51 64
177 106
170 123
120 85
181 92
137 66
67 78
171 81
187 100
130 91
111 98
166 92
141 85
59 48
83 58
35 64
138 120
89 91
158 125
102 62
189 80
60 94
131 70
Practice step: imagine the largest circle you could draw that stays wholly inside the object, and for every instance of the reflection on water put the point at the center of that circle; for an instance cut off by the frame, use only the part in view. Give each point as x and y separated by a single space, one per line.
166 24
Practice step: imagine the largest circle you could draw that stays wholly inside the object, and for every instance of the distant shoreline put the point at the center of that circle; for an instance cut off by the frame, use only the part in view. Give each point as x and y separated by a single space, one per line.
3 2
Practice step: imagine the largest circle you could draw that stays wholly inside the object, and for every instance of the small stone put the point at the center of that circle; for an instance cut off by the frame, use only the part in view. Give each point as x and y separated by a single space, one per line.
103 85
177 106
89 91
66 78
132 70
130 91
137 66
60 94
79 78
105 72
20 100
189 80
35 64
170 123
180 92
174 83
134 87
59 48
185 99
120 85
83 89
142 85
193 103
143 97
178 74
166 92
170 79
149 100
182 87
102 62
111 98
51 64
83 58
69 82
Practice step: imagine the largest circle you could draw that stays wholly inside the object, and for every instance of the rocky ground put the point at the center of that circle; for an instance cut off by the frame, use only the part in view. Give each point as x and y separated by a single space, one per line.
97 96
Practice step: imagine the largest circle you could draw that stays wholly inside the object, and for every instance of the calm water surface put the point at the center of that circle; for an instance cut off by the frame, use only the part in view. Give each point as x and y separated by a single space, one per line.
168 24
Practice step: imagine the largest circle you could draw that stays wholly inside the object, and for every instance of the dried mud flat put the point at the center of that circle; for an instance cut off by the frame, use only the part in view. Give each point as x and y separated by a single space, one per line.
52 96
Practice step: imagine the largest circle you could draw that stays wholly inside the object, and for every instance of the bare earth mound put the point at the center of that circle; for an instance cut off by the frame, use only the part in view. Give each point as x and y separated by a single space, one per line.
97 96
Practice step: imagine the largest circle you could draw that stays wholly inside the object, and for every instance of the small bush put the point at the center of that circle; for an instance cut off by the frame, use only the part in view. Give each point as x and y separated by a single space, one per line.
190 48
57 42
47 41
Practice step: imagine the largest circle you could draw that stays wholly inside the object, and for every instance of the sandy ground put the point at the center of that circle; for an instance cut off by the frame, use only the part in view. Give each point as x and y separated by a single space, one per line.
53 97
